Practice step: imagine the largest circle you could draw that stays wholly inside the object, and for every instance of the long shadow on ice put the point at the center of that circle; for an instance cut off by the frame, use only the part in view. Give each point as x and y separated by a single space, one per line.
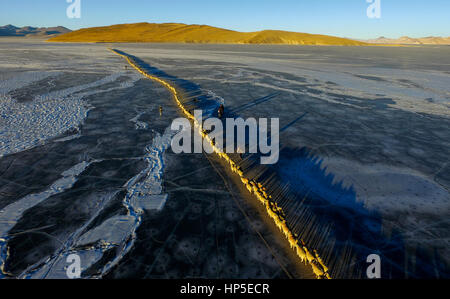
340 223
328 217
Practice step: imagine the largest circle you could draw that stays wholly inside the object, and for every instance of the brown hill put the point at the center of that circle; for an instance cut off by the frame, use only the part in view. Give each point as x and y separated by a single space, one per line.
181 33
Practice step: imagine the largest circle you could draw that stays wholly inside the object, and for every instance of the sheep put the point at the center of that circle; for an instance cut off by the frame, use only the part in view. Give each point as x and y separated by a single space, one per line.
309 256
325 268
292 241
317 271
301 253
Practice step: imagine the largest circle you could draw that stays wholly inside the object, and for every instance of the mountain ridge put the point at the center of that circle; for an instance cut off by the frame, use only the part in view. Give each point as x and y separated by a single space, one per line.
29 31
406 40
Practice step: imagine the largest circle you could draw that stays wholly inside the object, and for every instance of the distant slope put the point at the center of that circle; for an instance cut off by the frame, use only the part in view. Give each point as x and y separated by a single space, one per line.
405 40
28 31
181 33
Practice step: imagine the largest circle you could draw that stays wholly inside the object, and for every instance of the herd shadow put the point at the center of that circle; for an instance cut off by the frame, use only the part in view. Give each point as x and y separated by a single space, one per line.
321 210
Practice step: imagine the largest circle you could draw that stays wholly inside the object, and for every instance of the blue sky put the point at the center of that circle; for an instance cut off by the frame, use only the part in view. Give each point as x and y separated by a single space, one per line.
346 18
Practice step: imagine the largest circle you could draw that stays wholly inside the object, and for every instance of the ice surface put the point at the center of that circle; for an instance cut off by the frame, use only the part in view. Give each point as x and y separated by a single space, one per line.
10 215
407 75
144 193
23 80
376 118
25 125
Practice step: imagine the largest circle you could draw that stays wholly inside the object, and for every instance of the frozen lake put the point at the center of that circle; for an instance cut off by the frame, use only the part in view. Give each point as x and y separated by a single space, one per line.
86 165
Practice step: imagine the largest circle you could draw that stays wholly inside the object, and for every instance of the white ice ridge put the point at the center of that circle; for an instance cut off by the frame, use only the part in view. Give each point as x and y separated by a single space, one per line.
216 98
11 214
145 189
139 125
144 193
29 124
